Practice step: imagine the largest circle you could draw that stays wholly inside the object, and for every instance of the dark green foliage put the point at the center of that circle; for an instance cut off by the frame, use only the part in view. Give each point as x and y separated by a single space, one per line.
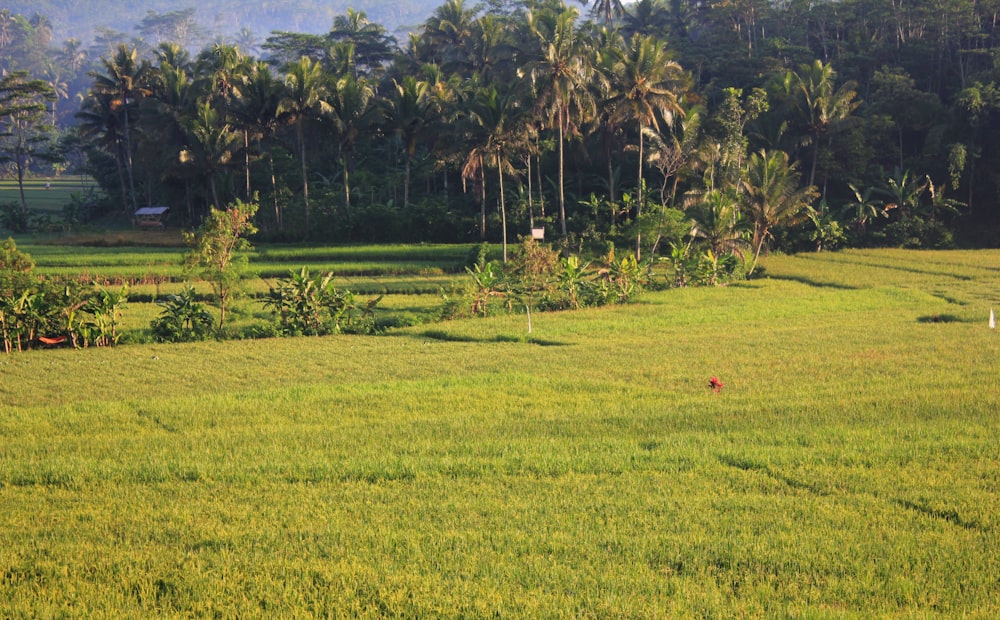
492 117
184 319
13 218
101 318
537 278
304 305
38 311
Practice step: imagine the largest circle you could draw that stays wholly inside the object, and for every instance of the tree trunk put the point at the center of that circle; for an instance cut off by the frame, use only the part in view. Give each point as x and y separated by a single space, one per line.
305 176
121 179
531 209
215 194
246 160
274 193
482 200
406 180
128 155
503 210
562 193
638 204
541 190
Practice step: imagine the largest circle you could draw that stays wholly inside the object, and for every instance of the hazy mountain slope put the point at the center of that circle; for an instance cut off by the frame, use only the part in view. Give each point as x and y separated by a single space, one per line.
80 18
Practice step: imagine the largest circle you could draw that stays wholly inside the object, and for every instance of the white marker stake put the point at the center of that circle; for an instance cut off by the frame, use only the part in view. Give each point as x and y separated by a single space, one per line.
993 320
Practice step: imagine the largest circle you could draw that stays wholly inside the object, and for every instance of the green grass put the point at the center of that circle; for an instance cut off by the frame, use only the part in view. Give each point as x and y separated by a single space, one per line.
49 199
140 264
849 467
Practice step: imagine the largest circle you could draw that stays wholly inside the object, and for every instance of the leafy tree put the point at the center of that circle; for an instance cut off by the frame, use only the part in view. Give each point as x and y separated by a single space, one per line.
559 75
717 222
118 90
371 45
255 110
352 112
824 103
863 208
305 99
25 128
209 147
219 250
447 35
495 114
772 196
646 81
408 111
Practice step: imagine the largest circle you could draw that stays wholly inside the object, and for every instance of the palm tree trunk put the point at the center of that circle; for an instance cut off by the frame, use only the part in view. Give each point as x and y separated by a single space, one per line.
638 205
406 182
121 178
812 170
638 187
482 201
346 161
562 193
246 160
531 209
503 210
305 175
274 193
128 154
541 191
215 194
20 183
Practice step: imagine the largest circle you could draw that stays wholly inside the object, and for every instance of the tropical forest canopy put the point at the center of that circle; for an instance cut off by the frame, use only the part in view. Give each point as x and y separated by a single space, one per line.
730 126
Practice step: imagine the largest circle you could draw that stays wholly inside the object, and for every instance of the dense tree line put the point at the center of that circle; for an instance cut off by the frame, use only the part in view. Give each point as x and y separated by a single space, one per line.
717 128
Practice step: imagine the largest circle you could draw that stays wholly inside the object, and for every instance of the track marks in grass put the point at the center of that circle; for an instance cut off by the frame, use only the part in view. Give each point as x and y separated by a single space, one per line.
747 465
948 515
156 421
951 516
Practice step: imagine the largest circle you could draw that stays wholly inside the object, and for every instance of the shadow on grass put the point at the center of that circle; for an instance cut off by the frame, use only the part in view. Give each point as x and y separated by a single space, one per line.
951 516
437 334
815 283
941 318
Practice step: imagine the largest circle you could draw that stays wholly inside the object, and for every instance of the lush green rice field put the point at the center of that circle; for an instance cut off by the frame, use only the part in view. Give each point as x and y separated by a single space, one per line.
51 198
850 466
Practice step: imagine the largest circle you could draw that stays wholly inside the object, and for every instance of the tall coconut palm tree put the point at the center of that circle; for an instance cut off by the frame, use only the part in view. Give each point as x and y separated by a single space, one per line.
607 44
255 112
674 153
607 9
823 103
167 113
772 196
495 116
646 84
559 75
447 35
305 98
210 147
408 110
352 109
125 81
101 124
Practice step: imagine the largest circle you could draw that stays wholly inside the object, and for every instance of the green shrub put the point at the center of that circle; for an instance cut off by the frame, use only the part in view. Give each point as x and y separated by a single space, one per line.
183 318
312 306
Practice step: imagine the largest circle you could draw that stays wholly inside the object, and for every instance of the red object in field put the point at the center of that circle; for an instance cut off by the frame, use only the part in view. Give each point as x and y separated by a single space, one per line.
51 341
715 384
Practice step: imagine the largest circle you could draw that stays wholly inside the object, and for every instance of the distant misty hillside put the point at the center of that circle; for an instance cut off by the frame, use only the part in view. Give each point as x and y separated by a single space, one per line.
81 19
